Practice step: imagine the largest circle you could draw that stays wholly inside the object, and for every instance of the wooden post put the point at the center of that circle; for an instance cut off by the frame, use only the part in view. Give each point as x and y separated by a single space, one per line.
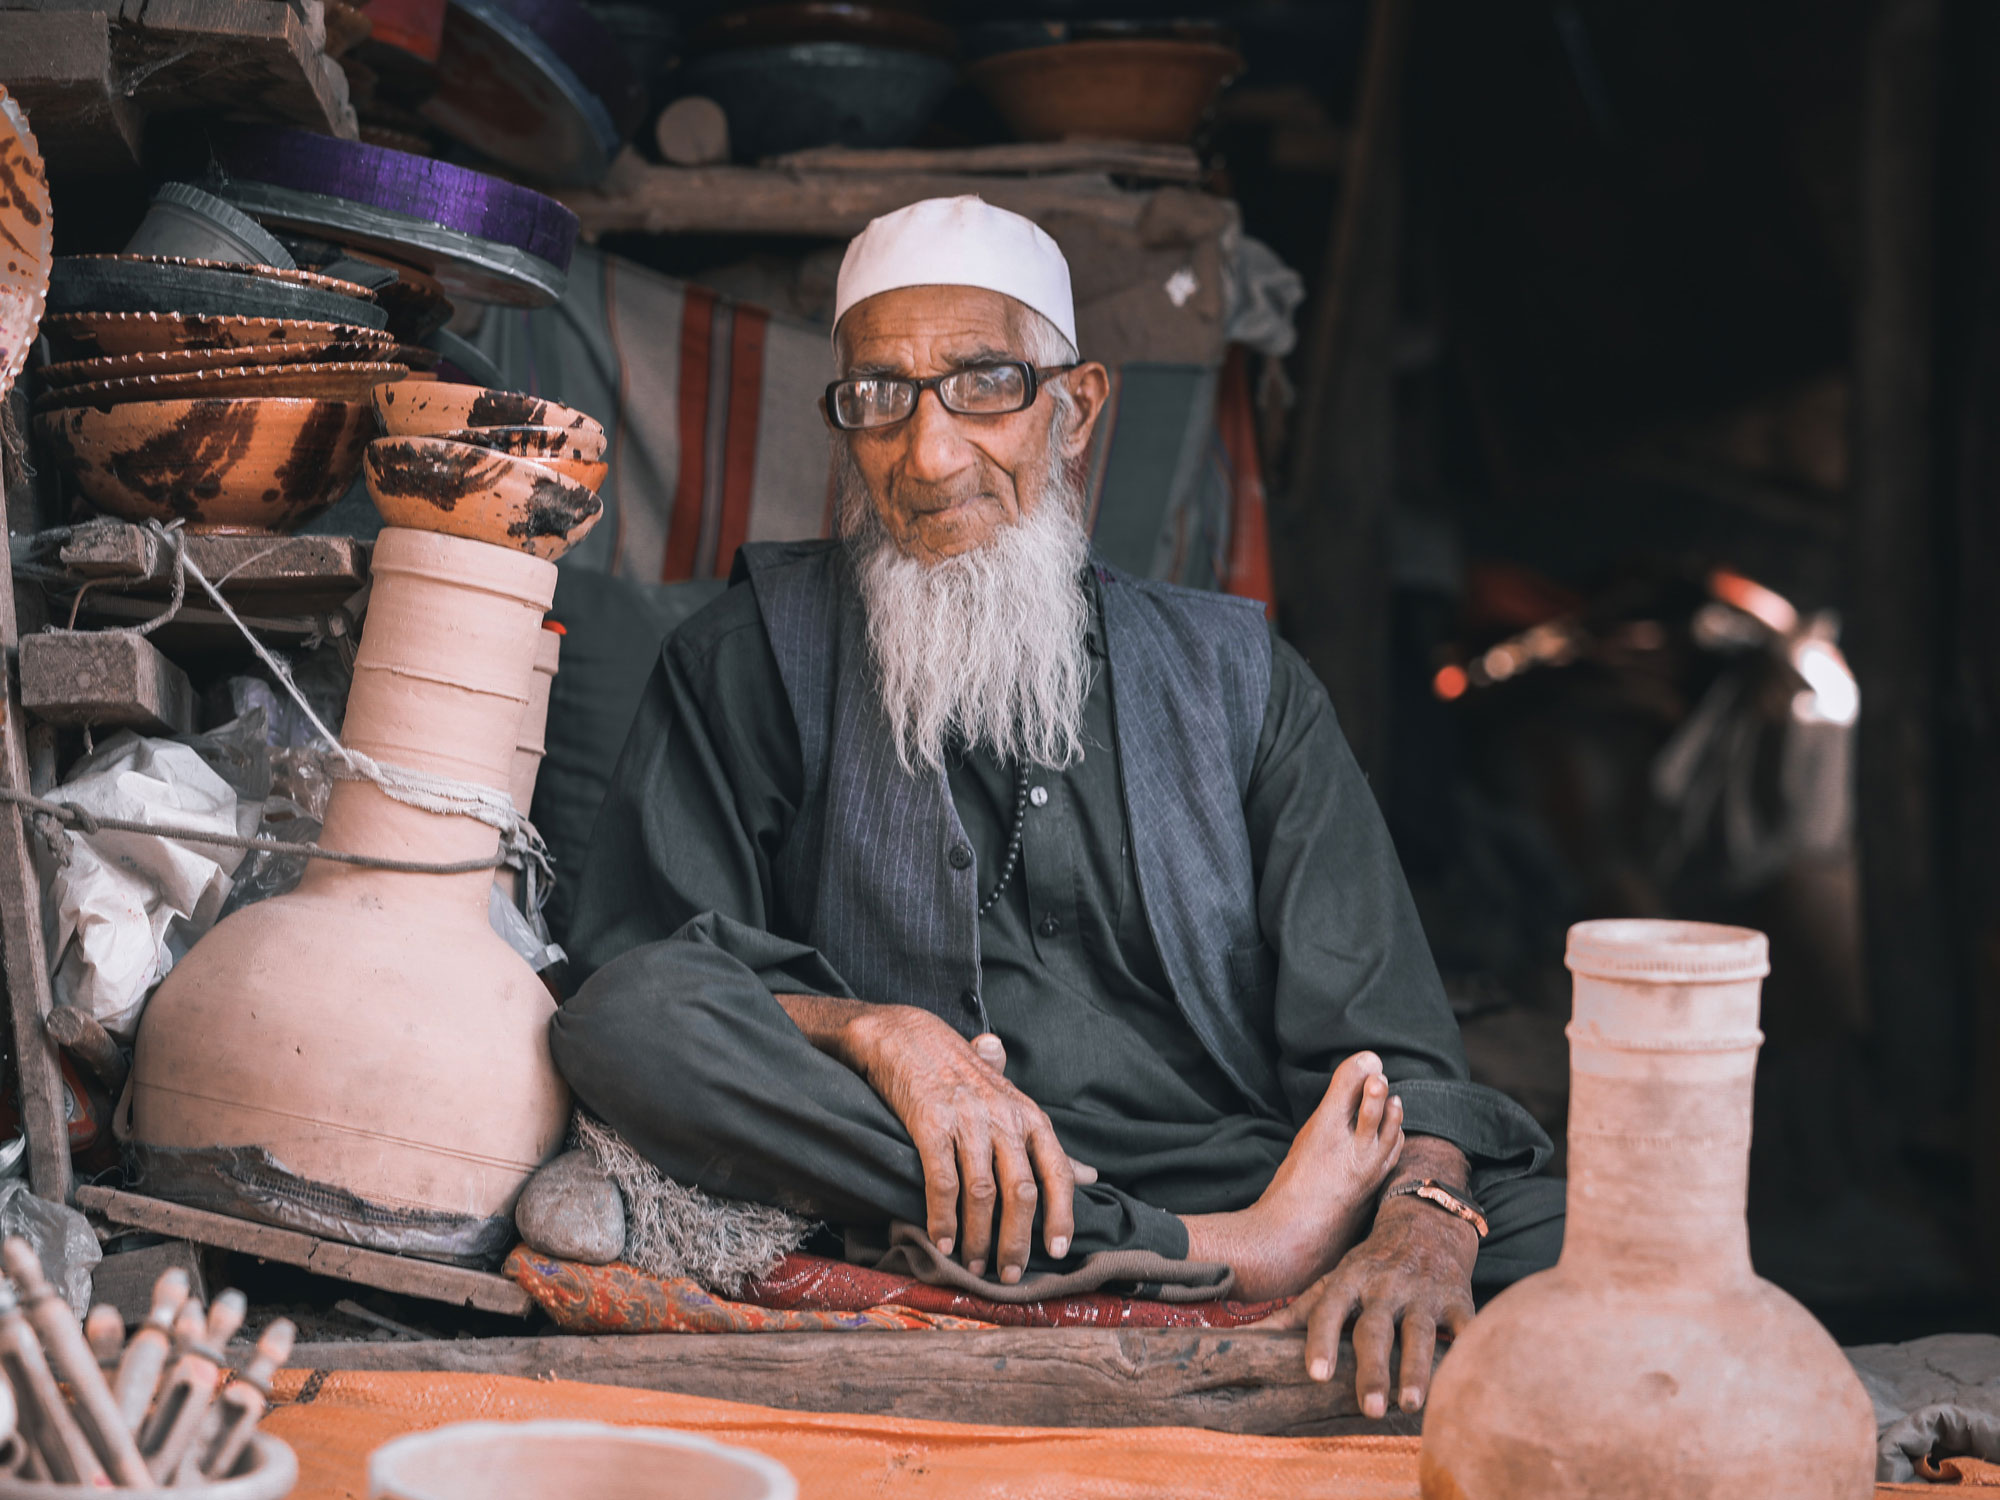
25 963
1895 636
1330 543
1969 198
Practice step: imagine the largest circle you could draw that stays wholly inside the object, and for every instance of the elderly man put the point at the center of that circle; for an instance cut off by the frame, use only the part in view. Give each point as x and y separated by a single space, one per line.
953 882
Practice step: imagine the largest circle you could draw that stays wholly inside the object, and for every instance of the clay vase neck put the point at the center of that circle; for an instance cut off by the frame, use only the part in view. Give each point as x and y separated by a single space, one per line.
1663 1065
1651 1363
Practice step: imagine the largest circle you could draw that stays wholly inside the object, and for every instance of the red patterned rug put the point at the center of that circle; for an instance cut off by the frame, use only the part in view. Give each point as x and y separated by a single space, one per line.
813 1292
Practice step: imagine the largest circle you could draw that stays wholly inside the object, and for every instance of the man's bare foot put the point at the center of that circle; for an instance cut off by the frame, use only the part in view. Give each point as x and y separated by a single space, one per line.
1318 1205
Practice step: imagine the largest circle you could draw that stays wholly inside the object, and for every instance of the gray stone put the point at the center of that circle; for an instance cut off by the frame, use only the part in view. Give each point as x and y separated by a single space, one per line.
570 1210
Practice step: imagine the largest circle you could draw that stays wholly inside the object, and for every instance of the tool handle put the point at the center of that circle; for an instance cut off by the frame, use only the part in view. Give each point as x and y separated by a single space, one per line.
70 1357
65 1452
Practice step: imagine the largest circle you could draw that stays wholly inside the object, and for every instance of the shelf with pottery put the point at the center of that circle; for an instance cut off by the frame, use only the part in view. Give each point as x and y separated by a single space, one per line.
90 74
835 192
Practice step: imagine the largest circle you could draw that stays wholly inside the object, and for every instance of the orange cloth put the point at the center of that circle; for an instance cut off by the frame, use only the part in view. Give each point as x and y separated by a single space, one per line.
335 1420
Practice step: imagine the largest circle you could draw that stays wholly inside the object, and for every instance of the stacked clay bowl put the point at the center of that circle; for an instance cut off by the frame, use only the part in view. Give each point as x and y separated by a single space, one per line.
233 398
494 466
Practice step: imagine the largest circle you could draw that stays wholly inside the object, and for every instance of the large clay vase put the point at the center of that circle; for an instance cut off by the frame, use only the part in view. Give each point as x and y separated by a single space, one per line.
1652 1361
369 1029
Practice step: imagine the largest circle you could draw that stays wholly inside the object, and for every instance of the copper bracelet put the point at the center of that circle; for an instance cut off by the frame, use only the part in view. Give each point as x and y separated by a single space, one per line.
1450 1200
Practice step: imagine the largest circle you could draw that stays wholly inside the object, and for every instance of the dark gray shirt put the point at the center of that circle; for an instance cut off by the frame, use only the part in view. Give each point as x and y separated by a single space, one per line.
705 795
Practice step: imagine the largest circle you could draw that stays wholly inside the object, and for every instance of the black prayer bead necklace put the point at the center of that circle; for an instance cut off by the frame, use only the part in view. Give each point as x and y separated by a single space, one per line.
1013 855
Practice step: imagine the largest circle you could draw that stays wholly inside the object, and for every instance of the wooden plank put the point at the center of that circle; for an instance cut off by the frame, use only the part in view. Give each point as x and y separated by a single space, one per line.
59 65
1330 528
652 199
111 549
1154 163
390 1273
125 1280
265 55
80 677
1895 636
23 956
270 575
1225 1380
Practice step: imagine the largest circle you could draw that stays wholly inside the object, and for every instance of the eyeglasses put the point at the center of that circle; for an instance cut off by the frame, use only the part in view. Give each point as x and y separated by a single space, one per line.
994 390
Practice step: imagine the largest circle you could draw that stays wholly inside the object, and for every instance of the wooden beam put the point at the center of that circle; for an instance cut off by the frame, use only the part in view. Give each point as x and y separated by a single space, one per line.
110 678
275 575
1138 159
1330 529
59 65
390 1273
638 197
89 72
1895 634
263 55
23 957
1223 1380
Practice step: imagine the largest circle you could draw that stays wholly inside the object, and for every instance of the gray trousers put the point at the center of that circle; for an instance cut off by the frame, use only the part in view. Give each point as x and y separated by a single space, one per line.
714 1084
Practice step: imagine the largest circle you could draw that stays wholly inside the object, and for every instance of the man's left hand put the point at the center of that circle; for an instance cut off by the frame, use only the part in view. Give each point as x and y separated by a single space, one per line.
1413 1273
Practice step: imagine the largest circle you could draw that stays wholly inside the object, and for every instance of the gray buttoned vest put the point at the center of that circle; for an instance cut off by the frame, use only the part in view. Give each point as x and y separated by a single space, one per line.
868 871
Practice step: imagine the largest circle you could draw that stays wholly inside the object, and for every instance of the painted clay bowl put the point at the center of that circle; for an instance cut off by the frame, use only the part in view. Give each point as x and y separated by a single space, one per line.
434 484
534 441
184 361
556 1460
252 464
107 335
328 382
574 455
27 237
1138 90
439 406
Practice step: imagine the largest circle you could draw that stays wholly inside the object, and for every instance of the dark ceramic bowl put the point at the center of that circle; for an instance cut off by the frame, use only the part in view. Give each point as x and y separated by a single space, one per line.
248 464
794 98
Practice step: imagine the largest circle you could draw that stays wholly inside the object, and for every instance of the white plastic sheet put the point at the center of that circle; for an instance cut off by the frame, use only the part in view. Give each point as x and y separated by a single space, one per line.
128 904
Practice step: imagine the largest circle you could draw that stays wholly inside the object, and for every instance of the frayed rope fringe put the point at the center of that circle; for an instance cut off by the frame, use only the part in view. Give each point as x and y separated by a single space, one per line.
674 1230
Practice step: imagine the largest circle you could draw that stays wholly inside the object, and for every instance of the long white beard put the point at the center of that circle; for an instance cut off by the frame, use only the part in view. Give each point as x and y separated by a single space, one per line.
987 646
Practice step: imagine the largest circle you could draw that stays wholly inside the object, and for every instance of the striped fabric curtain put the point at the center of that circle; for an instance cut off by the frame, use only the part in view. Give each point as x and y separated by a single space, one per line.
712 406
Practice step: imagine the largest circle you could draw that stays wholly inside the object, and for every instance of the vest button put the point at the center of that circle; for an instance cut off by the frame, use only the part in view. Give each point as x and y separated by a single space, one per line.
969 999
1049 926
959 857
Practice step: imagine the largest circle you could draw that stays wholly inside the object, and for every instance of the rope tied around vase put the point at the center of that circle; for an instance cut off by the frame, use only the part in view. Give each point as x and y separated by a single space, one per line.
521 846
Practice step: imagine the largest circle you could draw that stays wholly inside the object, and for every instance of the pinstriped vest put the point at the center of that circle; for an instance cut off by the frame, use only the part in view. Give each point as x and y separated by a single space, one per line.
867 872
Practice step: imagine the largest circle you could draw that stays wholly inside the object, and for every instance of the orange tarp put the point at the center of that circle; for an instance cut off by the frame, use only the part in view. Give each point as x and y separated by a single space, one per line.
854 1458
335 1420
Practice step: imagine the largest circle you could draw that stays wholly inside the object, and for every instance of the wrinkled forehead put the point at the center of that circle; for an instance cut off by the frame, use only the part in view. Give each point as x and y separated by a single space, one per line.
921 330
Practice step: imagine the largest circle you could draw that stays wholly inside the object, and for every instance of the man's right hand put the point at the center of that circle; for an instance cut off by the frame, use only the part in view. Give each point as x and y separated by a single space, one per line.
988 1149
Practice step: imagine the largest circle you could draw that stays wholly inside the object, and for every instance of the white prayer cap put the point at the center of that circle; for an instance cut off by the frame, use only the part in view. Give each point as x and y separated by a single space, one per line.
963 241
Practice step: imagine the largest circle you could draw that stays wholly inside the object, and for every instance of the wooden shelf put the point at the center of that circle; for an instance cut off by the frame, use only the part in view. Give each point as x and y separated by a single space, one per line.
389 1273
1226 1380
89 72
1139 160
834 194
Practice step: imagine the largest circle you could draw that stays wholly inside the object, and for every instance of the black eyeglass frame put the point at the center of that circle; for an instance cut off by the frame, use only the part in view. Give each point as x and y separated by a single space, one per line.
1034 376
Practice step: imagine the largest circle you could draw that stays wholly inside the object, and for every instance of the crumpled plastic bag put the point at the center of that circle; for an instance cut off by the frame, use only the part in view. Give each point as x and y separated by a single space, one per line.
61 1236
127 905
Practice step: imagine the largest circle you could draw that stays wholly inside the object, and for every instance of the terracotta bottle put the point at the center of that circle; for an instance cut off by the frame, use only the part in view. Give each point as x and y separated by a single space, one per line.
369 1029
1652 1361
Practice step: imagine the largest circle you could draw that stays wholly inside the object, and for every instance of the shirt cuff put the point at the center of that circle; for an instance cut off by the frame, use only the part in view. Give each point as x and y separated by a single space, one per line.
1498 1137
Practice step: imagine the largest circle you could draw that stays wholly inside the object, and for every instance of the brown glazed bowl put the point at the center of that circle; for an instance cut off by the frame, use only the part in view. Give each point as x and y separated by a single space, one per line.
1144 89
258 463
431 407
574 455
434 484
